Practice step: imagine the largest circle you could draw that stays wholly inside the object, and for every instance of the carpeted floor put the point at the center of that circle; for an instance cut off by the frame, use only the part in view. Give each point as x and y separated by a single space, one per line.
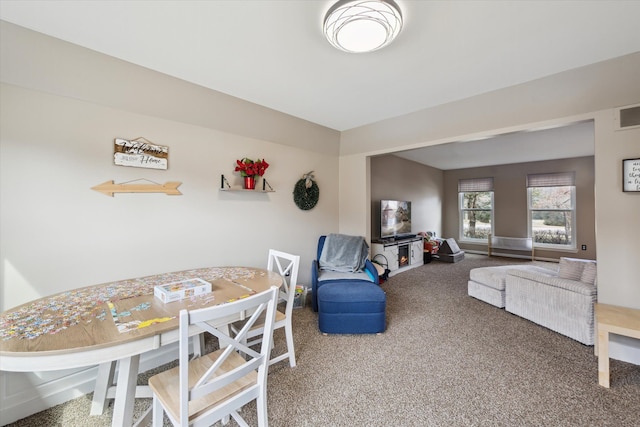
446 359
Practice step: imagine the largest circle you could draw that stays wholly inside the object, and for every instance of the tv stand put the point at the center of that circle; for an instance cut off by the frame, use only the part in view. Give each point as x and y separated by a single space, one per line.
401 253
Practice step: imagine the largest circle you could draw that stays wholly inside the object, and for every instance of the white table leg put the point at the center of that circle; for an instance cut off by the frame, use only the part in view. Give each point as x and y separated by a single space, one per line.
125 391
103 381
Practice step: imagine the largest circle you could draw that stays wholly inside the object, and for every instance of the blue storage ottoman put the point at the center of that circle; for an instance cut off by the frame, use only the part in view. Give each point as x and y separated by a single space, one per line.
351 308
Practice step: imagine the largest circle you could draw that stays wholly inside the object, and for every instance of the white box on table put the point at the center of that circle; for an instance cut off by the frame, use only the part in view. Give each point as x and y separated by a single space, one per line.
176 291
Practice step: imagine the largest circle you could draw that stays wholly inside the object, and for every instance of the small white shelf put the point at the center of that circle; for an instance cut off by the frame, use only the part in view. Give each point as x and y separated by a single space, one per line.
224 186
238 190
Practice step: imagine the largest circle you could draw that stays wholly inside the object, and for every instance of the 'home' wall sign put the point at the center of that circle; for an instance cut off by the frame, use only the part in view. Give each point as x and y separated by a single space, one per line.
140 153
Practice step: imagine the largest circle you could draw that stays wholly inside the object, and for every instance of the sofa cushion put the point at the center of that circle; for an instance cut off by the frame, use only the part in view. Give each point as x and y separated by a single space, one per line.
571 268
326 275
551 279
449 246
581 270
495 277
589 273
357 297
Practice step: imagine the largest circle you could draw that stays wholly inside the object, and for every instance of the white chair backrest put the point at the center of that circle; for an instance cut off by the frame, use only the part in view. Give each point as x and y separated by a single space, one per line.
287 266
209 319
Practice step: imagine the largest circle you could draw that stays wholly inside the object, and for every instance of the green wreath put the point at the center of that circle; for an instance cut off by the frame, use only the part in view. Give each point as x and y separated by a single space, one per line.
306 192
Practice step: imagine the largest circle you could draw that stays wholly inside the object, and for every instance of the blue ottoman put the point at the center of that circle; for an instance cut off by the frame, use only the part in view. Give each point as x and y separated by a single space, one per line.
351 308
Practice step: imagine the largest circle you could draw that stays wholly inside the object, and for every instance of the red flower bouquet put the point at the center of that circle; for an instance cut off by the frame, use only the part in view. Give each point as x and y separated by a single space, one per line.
248 167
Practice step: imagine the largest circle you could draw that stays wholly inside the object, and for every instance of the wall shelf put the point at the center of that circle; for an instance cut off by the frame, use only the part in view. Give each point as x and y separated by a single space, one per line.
225 186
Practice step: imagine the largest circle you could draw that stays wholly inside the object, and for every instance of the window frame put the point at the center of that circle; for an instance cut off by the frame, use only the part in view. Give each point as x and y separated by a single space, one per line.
461 215
552 246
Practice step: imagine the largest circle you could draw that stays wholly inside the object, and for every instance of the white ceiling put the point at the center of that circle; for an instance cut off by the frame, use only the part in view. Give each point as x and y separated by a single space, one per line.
574 140
273 53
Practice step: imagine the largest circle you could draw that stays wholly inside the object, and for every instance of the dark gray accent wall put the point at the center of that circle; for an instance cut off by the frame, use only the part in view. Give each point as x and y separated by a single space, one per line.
434 197
398 179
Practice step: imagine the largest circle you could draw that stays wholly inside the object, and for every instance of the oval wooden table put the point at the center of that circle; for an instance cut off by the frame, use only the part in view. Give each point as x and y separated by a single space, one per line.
117 321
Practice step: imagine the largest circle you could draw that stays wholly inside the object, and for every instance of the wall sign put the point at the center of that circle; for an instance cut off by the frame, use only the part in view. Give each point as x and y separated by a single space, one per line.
631 175
140 153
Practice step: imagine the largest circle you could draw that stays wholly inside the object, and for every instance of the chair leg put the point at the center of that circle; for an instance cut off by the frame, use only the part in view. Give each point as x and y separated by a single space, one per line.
261 405
198 345
288 329
158 413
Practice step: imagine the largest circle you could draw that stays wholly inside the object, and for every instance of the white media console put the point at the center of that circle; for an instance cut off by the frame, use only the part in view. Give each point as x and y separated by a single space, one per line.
399 254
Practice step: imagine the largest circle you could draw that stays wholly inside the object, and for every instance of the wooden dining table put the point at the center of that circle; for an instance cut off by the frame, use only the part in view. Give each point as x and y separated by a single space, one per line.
116 321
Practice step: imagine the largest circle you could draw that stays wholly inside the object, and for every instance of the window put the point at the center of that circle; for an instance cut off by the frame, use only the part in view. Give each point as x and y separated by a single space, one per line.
552 213
476 208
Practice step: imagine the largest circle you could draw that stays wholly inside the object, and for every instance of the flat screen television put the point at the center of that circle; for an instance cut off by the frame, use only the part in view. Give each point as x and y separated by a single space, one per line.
395 218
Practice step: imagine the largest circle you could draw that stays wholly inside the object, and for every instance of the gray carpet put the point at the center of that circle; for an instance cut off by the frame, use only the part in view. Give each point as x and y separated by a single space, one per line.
446 359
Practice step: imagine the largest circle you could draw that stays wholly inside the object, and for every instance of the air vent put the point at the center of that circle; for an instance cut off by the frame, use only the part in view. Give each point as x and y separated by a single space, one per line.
627 117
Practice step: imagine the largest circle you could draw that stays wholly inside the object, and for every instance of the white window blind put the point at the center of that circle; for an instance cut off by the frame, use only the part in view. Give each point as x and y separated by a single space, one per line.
475 184
551 179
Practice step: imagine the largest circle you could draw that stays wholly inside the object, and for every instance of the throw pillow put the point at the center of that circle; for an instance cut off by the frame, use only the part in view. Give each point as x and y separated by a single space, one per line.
589 273
571 269
370 274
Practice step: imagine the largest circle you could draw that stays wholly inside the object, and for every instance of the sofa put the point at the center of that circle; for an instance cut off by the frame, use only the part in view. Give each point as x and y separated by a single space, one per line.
347 302
561 300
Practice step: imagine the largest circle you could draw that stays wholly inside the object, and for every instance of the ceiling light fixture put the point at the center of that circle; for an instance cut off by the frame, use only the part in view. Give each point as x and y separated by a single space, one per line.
362 25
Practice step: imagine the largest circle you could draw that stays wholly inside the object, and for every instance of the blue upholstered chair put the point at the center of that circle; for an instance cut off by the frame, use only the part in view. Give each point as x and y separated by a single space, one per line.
347 303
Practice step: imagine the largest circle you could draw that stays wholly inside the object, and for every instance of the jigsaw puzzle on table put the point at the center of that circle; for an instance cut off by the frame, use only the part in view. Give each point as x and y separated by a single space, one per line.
50 315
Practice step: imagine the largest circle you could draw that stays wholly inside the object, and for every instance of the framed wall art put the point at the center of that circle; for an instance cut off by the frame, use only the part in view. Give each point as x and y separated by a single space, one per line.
631 175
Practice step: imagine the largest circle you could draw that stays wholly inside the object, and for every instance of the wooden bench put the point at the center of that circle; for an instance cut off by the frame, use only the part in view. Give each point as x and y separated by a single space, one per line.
510 243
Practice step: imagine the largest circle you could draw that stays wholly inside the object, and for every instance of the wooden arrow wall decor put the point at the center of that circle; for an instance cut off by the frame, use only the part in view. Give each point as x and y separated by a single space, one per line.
109 188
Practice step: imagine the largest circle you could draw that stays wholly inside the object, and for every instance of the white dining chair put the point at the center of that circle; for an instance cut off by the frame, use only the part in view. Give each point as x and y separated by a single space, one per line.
287 266
212 387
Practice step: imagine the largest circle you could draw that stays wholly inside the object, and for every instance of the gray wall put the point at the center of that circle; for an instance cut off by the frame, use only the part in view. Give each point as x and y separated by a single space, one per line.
434 197
398 179
510 201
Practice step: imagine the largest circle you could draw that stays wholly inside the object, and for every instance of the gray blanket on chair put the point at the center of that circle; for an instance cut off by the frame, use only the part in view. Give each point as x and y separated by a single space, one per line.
344 253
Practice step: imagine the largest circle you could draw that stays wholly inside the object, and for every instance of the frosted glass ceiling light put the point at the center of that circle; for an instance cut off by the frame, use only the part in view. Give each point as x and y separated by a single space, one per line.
362 25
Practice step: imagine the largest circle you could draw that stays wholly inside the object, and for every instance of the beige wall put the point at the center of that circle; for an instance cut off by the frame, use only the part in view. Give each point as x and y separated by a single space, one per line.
58 234
510 202
395 178
62 68
63 105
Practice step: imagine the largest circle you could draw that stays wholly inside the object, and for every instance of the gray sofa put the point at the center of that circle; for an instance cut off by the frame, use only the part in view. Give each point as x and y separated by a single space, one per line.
561 300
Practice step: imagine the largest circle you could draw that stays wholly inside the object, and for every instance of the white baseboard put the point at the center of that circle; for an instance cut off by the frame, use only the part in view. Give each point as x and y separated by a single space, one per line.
26 393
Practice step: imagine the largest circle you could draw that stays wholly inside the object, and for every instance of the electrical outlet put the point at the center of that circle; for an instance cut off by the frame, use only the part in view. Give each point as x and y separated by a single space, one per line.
584 247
